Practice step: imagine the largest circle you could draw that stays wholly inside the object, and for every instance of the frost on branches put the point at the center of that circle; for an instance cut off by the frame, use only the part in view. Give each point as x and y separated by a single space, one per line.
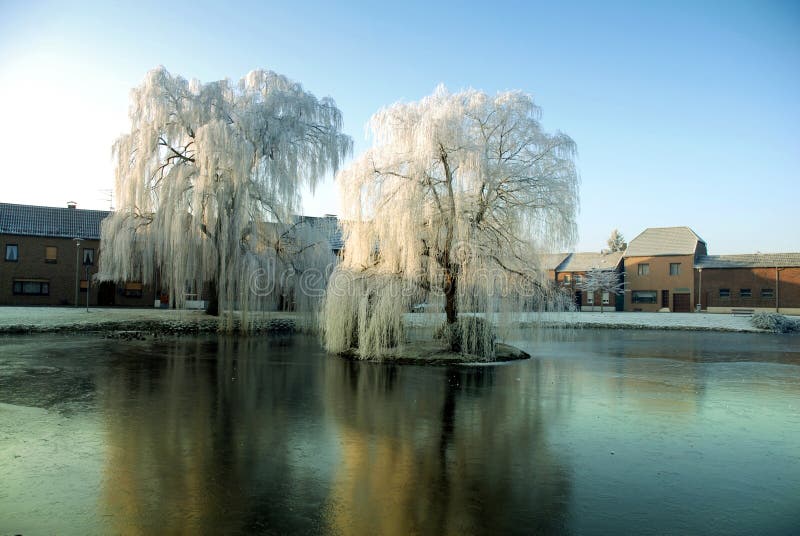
601 280
453 206
207 180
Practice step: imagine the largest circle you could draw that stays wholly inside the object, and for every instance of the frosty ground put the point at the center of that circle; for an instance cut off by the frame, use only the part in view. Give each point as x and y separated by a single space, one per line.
64 319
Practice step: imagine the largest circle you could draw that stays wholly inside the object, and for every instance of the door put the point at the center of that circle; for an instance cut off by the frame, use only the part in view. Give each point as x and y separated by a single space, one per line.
105 293
665 298
578 299
681 303
620 305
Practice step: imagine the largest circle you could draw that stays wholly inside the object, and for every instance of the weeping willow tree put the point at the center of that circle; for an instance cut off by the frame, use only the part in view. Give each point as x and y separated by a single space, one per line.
207 180
454 205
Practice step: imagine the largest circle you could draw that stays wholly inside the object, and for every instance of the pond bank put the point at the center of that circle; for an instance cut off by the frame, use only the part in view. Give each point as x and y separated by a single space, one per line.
22 320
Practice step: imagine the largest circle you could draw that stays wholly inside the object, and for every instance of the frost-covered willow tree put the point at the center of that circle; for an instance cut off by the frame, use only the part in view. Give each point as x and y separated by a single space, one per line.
453 204
207 180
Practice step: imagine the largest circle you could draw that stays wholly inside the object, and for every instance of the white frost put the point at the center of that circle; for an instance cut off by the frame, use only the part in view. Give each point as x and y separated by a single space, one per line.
454 204
206 182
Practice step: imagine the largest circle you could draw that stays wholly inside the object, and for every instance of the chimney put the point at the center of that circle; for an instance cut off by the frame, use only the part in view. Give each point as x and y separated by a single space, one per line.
72 204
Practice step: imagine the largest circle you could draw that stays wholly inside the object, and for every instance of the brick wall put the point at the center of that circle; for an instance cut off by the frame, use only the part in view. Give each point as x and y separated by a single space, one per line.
658 279
785 291
61 276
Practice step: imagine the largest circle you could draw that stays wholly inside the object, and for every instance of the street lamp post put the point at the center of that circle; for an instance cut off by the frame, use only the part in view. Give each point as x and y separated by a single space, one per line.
700 291
77 268
87 262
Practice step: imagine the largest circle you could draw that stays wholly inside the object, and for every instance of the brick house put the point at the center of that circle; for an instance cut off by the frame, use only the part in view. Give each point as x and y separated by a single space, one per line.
759 281
47 254
551 263
572 271
659 269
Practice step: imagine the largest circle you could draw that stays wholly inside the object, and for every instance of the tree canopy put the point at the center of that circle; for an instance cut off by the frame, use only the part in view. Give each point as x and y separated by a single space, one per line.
616 242
207 181
452 205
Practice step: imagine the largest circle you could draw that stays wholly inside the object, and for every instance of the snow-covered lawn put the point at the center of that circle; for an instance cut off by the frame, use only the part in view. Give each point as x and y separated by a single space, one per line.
689 321
67 316
45 318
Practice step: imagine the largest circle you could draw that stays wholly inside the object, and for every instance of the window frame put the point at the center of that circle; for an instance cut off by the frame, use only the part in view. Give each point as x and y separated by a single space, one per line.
91 257
133 289
643 268
724 294
636 296
10 245
19 287
677 268
47 258
745 293
767 293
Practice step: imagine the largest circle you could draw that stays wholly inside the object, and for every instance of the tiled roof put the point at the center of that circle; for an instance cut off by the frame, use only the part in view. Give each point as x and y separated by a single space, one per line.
749 260
583 262
656 241
552 261
56 222
328 226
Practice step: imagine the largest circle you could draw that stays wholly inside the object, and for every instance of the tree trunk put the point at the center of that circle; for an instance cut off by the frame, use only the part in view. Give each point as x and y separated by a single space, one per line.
213 299
451 309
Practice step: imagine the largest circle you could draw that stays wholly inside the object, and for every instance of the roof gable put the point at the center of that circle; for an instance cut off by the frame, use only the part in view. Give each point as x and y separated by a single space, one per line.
655 241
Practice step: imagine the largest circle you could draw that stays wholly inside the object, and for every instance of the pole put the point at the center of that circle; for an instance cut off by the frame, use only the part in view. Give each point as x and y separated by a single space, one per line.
88 287
777 291
77 269
700 291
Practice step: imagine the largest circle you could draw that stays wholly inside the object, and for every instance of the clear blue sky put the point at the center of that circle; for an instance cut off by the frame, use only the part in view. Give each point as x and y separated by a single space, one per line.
685 113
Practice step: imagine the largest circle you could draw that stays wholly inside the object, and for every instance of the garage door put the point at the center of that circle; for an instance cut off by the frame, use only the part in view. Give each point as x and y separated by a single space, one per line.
680 303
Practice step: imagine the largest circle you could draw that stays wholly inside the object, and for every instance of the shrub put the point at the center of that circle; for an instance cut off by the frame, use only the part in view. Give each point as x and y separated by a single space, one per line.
774 322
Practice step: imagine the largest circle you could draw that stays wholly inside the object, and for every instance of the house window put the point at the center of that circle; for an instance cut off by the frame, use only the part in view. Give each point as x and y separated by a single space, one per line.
725 293
590 298
578 279
745 293
51 254
31 287
132 290
605 298
88 256
644 296
566 278
644 269
767 293
674 268
12 252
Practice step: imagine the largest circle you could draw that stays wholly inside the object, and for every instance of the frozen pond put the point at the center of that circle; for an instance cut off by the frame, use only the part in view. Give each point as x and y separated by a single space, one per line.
602 432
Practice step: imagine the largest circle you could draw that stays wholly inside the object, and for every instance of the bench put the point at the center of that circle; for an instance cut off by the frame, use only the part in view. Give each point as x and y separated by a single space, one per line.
739 311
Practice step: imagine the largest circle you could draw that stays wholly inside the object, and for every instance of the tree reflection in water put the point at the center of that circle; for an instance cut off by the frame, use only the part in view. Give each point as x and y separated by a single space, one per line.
252 435
444 453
